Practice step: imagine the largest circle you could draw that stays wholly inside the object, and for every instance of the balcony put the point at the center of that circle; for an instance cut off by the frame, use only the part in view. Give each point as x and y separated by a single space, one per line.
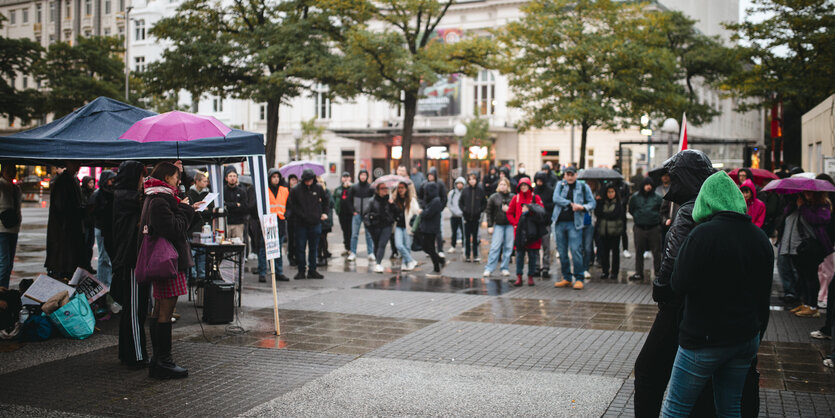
38 27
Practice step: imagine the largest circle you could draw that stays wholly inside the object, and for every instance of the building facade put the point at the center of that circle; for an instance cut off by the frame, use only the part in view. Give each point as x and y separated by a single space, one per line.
818 138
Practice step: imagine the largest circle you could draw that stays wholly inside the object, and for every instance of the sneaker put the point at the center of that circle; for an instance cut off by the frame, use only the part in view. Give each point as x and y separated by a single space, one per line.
433 275
299 276
545 273
314 275
115 307
352 257
451 250
558 255
478 260
636 277
821 304
818 335
411 266
797 308
486 273
505 273
829 363
371 257
808 312
562 283
586 274
282 278
578 285
627 254
379 268
441 254
647 254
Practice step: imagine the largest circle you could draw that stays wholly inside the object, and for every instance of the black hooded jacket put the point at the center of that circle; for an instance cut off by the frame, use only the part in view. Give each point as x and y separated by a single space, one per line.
688 170
306 204
103 209
473 201
381 213
546 191
127 207
506 171
491 180
236 201
430 218
442 190
550 175
361 194
644 206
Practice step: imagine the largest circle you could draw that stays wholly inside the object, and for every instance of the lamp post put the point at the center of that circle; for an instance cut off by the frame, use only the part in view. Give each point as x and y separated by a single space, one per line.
646 129
127 50
670 127
297 138
460 131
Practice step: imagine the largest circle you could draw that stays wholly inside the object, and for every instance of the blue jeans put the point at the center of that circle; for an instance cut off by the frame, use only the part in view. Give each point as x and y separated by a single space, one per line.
501 242
199 269
8 246
262 261
787 275
568 237
105 269
356 223
403 243
282 237
307 236
588 246
728 366
533 257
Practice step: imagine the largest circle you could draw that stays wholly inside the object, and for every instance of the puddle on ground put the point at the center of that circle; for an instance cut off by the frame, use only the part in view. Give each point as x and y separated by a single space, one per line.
470 286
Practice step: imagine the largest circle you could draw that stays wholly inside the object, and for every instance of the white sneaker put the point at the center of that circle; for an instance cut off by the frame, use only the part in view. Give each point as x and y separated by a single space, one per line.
403 267
587 275
647 254
379 268
486 273
411 266
816 334
433 275
558 255
371 257
451 250
441 254
352 257
506 273
821 304
478 260
627 254
115 307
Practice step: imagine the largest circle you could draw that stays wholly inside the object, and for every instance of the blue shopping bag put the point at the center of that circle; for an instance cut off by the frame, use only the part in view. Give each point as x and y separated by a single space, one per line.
75 319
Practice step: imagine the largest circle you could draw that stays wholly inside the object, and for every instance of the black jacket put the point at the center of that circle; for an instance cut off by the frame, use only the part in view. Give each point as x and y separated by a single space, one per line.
609 215
442 190
430 218
127 206
170 220
491 180
546 191
380 213
730 253
644 206
203 217
533 225
306 204
361 195
232 196
103 210
495 214
64 236
688 170
473 201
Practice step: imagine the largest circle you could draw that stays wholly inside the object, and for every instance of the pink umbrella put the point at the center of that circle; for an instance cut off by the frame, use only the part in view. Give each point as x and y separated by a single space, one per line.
176 126
798 184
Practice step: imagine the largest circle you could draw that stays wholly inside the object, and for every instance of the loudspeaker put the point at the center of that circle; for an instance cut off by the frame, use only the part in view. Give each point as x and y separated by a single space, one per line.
219 302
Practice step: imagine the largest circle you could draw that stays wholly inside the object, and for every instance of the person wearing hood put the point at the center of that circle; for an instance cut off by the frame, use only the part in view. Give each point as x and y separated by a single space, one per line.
417 177
504 172
103 216
472 203
756 208
342 206
720 332
278 205
521 173
645 208
379 219
519 209
610 225
361 196
550 176
327 225
308 206
430 225
500 228
64 233
688 170
572 199
88 187
491 180
11 197
545 191
127 208
456 219
432 177
235 200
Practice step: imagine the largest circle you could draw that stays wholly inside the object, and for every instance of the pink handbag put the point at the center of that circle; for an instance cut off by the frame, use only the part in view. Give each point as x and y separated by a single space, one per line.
157 260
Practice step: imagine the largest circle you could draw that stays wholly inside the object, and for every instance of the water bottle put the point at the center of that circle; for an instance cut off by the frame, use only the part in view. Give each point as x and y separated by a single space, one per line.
24 315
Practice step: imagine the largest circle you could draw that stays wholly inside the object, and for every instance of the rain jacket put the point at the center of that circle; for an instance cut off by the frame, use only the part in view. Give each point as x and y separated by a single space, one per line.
430 218
361 195
103 209
609 215
582 196
514 212
688 170
454 197
442 191
491 180
756 207
164 216
645 207
64 238
726 251
546 191
236 215
306 204
495 214
127 206
473 201
278 194
550 175
380 213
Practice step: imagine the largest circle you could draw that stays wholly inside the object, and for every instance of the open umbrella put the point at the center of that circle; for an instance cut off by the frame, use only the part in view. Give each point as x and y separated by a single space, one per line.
176 126
599 173
760 175
297 167
798 184
805 175
391 181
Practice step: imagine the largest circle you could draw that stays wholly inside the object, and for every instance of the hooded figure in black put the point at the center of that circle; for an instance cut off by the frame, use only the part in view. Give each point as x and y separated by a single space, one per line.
127 207
64 232
491 180
430 223
688 170
610 213
505 172
550 175
472 203
645 208
545 190
88 187
432 177
361 196
103 216
308 205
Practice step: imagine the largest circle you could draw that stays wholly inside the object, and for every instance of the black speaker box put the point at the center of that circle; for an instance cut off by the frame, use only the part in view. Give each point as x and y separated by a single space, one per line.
219 302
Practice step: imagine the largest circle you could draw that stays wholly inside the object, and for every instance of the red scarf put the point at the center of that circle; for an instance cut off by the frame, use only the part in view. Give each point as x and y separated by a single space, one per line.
155 186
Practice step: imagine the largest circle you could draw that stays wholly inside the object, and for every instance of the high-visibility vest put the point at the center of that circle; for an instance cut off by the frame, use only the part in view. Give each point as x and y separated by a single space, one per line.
278 203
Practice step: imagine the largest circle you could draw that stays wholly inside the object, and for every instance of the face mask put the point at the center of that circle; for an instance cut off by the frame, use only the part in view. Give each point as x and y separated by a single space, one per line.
522 170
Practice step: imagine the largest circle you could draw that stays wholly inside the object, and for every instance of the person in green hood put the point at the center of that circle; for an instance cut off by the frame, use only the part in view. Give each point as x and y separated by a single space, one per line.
724 271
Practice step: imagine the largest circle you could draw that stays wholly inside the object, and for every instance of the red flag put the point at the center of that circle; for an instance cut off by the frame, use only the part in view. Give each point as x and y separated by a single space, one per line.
682 140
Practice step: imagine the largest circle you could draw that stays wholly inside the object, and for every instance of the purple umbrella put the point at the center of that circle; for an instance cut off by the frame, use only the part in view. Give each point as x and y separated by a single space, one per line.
297 167
798 184
391 181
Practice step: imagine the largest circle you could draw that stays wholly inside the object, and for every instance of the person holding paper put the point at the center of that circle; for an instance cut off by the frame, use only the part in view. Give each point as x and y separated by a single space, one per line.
203 215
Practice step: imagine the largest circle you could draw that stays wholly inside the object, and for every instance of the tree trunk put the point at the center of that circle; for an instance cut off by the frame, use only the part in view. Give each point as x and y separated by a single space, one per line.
583 136
272 131
410 110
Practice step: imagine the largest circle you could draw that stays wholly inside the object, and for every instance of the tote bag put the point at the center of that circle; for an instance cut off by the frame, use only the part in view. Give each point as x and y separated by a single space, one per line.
75 319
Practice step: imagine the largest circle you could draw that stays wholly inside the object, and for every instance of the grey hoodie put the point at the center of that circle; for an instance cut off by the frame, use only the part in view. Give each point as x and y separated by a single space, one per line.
454 196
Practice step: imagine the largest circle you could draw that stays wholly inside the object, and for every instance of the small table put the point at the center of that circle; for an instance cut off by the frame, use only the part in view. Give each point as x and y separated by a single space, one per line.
215 255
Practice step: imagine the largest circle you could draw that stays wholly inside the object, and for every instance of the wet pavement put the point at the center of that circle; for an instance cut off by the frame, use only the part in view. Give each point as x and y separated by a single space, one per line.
398 343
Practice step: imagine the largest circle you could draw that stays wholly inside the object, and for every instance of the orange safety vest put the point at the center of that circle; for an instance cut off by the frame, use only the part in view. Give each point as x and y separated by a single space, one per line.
278 203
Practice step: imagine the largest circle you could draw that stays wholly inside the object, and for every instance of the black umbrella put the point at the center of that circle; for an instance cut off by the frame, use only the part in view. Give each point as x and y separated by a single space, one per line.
656 173
599 174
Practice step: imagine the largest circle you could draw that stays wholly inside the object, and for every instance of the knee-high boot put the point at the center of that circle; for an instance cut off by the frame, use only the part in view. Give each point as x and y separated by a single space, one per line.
162 363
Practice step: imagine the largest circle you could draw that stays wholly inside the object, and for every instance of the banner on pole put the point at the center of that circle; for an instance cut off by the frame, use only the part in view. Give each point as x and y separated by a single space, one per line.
272 243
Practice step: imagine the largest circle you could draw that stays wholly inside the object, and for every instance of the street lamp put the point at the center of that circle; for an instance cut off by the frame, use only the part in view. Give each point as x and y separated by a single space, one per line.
670 127
297 137
646 129
460 130
127 52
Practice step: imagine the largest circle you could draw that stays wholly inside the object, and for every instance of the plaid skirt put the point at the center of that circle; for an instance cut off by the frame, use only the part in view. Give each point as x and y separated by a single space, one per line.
171 288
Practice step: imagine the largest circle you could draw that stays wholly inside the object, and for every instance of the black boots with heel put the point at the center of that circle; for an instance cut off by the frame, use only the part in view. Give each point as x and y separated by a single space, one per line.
162 364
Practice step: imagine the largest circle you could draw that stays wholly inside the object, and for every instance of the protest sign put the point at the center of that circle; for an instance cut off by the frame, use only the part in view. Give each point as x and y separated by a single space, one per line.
88 284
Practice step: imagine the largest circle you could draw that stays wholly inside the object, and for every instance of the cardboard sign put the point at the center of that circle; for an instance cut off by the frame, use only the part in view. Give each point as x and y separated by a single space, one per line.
272 242
88 284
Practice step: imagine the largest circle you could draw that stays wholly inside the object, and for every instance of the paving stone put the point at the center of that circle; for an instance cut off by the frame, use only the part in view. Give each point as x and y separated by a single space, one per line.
16 355
784 326
595 291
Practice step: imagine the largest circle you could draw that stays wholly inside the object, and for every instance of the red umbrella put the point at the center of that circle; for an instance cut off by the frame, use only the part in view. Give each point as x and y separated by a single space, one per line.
760 175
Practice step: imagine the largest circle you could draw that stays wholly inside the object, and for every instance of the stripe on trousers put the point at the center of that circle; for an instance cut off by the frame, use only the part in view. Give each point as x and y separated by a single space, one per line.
134 321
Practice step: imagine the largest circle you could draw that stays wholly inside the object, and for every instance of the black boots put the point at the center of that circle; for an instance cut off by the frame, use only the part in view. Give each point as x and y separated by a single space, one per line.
162 364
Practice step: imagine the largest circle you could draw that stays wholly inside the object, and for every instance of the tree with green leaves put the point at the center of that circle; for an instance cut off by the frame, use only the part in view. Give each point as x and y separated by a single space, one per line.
17 57
311 142
261 50
392 60
76 74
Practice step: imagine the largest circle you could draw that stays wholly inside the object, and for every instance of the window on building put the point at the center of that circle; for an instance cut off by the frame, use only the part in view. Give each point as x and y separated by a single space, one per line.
484 92
51 39
88 33
122 32
38 13
262 112
590 158
323 102
12 17
106 31
139 34
25 82
121 5
52 11
88 7
107 7
68 13
24 14
217 105
139 64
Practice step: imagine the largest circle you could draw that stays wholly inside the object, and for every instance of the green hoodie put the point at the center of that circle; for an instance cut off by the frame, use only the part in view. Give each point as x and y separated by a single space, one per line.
719 193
